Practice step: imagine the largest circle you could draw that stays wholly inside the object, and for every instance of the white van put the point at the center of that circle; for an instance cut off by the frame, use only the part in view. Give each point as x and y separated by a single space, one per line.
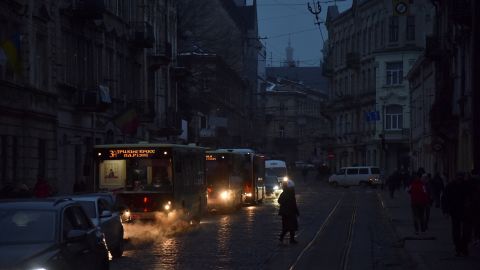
275 172
354 176
276 167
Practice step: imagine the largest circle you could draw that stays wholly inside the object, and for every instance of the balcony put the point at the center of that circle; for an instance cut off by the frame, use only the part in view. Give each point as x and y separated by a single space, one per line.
97 100
397 135
160 56
89 9
145 110
353 60
142 35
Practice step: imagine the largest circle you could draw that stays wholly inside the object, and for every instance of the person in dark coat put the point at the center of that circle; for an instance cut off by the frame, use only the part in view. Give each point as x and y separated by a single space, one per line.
288 211
437 188
476 206
457 201
392 183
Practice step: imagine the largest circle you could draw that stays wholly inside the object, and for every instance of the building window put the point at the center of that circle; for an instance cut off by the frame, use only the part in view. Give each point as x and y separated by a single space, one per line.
393 29
281 131
411 28
393 117
394 73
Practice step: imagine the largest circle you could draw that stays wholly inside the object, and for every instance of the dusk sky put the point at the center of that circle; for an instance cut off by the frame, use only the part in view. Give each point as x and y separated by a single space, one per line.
279 19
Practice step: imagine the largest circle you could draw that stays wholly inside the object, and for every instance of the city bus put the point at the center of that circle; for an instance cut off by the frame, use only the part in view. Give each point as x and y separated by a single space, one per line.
149 179
245 170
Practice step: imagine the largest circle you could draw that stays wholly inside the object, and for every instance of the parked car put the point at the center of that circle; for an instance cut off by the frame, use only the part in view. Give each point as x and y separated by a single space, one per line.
354 176
49 234
101 213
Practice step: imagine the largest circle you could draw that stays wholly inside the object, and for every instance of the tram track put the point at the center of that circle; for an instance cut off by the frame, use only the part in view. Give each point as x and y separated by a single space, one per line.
343 264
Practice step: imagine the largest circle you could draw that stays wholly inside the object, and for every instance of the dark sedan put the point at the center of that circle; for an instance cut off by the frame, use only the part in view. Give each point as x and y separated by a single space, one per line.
49 234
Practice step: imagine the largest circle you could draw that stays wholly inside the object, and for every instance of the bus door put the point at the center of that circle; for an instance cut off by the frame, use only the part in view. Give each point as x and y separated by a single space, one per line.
259 176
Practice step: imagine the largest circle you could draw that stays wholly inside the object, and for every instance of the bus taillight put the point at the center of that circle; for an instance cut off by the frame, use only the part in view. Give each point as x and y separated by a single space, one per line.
145 200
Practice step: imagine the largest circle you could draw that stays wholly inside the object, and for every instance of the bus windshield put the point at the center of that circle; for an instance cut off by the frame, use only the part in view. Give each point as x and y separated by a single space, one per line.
137 174
225 171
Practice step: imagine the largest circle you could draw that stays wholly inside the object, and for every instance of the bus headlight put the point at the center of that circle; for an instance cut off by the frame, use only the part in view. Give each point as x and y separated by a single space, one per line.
126 214
225 195
168 206
285 178
275 188
248 194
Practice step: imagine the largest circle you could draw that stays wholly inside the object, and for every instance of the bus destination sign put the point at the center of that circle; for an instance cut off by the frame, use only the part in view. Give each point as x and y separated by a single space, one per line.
131 153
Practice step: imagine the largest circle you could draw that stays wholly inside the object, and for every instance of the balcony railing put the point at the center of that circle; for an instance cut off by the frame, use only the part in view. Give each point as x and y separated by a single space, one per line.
160 55
142 35
92 101
89 9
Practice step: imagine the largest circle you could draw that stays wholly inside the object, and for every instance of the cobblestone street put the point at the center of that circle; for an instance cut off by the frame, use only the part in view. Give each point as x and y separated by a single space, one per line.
248 239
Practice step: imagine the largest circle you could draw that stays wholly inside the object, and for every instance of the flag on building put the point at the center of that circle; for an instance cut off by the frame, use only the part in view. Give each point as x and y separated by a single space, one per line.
127 121
400 7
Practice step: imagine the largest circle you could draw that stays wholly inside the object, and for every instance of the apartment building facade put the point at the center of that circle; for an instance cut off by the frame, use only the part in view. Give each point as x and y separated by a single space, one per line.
294 127
79 73
371 47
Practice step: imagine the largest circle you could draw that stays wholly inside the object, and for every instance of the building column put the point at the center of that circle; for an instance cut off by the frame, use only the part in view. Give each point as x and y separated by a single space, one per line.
476 84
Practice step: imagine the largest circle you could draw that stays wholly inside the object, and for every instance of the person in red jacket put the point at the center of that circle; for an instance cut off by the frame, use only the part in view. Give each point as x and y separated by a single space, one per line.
42 189
419 200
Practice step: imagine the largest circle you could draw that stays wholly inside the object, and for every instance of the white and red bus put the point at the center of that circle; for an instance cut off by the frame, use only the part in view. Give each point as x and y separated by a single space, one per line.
235 176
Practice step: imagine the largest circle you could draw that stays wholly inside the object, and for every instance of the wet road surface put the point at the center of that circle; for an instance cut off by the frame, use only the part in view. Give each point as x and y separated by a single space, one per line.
339 228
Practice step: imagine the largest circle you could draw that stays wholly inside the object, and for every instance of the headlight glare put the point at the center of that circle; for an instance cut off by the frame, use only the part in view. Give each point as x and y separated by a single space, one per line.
225 195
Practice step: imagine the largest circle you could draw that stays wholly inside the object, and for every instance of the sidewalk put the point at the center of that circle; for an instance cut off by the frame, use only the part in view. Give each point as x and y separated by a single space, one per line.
435 249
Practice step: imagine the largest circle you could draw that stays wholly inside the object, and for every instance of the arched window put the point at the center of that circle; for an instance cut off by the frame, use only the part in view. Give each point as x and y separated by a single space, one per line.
393 117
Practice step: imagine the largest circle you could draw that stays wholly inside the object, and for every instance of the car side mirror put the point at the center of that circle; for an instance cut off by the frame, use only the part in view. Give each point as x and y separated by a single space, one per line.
106 214
76 235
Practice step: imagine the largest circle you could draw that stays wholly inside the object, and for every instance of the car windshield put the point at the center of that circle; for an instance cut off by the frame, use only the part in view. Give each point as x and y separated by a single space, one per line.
89 208
26 226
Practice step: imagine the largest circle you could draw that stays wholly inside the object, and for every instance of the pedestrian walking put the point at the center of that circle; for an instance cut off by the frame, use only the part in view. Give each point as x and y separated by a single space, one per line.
392 183
42 189
437 188
288 211
457 201
419 200
476 206
426 179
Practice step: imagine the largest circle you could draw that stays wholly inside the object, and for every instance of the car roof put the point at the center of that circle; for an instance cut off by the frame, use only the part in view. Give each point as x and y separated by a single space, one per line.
37 204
